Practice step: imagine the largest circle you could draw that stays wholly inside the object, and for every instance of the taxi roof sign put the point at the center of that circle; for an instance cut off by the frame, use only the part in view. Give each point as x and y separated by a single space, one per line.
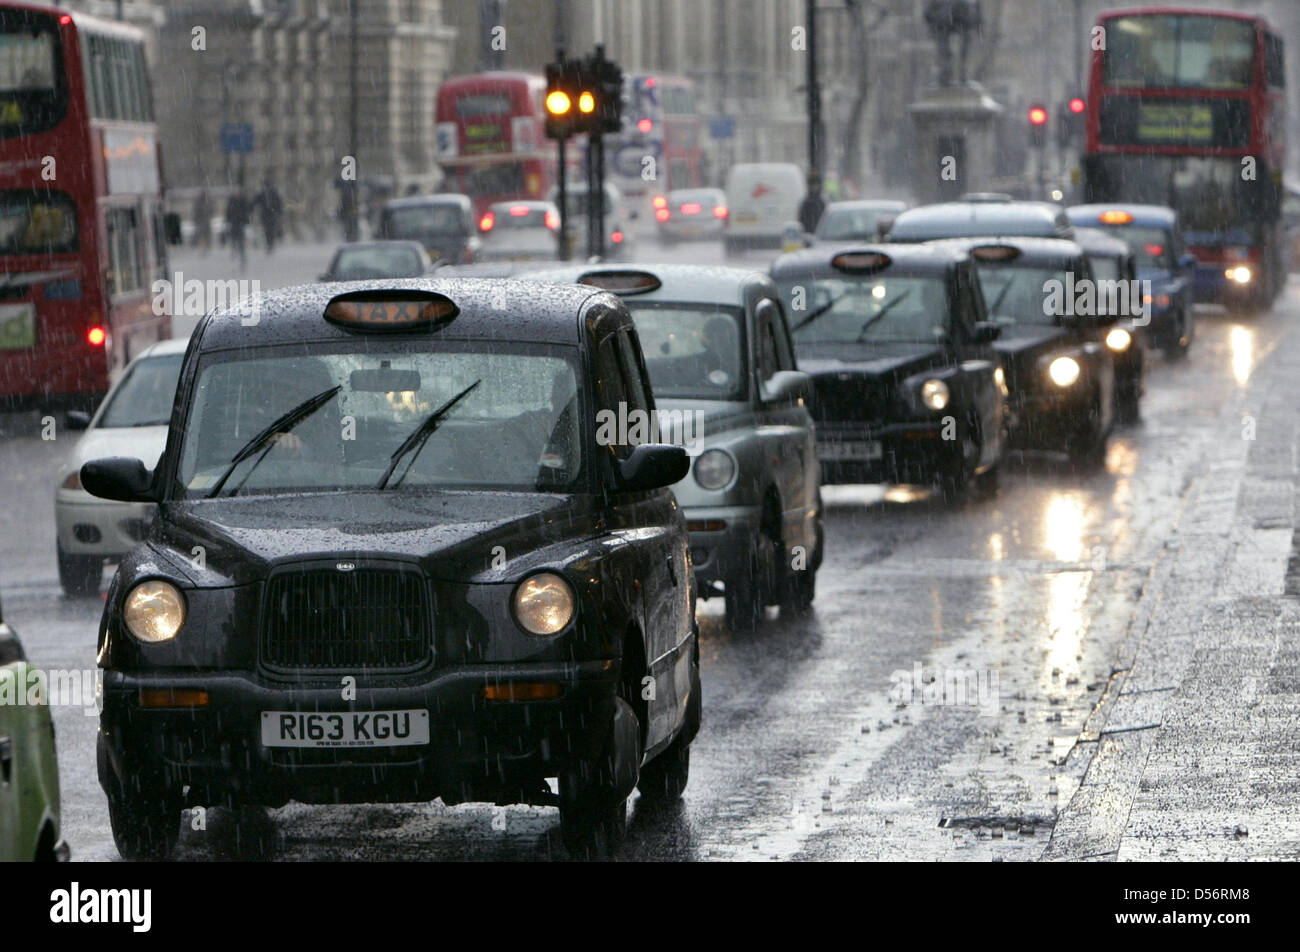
621 282
390 310
861 262
995 253
1115 216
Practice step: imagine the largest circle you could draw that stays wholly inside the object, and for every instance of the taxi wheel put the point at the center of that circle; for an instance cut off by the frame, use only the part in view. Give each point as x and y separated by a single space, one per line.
1088 448
593 820
1128 405
146 819
80 575
748 594
1177 342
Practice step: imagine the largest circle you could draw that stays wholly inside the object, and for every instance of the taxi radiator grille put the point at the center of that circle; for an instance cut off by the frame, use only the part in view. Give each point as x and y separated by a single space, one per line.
365 619
857 399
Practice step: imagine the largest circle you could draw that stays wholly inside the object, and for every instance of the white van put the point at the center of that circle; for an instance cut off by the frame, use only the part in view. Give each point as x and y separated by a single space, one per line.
762 198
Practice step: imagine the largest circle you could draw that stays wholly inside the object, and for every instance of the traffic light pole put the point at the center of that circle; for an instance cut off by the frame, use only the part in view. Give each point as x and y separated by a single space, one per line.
563 182
592 237
598 145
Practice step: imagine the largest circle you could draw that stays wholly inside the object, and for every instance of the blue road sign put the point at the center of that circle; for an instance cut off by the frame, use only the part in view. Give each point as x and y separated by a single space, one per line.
236 138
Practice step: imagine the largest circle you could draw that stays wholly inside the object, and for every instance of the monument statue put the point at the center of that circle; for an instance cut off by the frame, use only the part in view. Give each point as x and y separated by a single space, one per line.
946 18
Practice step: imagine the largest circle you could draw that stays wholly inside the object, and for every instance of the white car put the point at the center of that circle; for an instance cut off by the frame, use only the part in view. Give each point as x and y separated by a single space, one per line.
762 199
132 421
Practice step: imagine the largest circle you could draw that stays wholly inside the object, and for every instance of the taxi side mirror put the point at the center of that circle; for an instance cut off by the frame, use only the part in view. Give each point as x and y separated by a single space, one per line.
785 386
120 478
653 466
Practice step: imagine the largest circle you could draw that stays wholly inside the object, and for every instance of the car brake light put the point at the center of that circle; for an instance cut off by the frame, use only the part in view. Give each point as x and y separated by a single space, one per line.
691 208
645 125
719 211
660 202
552 221
486 222
518 211
662 214
616 237
96 336
1155 251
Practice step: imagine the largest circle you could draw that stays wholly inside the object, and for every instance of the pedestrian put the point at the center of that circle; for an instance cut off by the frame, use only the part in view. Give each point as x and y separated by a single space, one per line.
812 206
239 212
271 209
203 221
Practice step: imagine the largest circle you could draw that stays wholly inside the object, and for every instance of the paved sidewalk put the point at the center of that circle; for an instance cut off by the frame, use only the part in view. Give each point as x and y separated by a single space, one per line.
1196 756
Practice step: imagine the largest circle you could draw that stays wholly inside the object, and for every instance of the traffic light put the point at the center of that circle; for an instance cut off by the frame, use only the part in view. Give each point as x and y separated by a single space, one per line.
560 95
1037 126
609 98
1071 125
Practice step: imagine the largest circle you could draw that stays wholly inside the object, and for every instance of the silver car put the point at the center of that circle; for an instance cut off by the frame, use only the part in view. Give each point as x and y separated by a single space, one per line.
721 362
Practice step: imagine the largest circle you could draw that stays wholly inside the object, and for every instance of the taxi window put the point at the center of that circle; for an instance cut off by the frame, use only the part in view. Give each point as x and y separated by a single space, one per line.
1019 295
419 220
1104 267
517 429
357 264
1152 247
869 310
692 351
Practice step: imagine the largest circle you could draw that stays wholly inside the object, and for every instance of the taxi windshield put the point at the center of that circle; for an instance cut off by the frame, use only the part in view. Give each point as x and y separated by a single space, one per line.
516 429
1020 295
692 351
871 309
377 261
1152 247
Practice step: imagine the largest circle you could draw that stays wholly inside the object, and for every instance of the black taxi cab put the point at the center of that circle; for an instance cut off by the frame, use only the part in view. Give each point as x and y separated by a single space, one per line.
1113 260
393 563
906 387
1054 316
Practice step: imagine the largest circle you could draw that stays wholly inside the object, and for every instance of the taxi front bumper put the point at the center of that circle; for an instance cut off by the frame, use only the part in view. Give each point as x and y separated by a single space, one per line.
914 452
720 542
478 749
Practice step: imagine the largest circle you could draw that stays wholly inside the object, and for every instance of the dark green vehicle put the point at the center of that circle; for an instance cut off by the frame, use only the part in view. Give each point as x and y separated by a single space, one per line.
30 823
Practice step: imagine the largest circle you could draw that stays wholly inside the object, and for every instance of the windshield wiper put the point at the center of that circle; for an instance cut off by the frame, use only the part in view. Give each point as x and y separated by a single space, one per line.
282 424
819 311
992 308
884 309
421 436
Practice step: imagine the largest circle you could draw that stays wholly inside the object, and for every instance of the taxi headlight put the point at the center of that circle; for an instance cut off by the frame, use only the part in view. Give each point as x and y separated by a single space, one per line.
1118 339
714 468
1064 371
1241 274
543 604
934 394
154 611
1000 378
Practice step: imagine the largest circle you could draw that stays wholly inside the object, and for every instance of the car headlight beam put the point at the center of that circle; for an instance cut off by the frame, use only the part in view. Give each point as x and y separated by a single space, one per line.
934 394
714 469
1118 339
543 604
154 611
1064 371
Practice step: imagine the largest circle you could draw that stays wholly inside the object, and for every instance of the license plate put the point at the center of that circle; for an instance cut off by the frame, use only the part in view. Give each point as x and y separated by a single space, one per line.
746 219
855 450
17 326
345 728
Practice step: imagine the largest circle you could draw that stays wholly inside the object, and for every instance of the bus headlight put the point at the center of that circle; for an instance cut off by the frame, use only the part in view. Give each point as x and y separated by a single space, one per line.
154 611
543 604
1118 339
714 469
1240 274
934 394
1064 371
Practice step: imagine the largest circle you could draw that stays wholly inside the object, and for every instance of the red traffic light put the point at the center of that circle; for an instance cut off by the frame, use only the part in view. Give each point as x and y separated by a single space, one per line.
1037 115
1077 105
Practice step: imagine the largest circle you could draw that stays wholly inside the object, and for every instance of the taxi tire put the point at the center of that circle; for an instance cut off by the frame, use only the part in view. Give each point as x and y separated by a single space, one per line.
1088 448
145 819
80 575
1178 341
593 821
748 594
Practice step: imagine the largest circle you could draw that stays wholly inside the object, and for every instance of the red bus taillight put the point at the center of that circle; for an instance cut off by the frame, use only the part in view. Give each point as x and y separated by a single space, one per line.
65 20
96 336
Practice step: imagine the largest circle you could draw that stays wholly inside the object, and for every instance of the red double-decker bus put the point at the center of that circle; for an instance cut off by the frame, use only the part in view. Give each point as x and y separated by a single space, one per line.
660 121
1189 111
81 230
491 137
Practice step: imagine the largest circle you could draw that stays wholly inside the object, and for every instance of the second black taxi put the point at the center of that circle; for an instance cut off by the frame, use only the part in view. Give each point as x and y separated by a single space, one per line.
392 562
907 388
